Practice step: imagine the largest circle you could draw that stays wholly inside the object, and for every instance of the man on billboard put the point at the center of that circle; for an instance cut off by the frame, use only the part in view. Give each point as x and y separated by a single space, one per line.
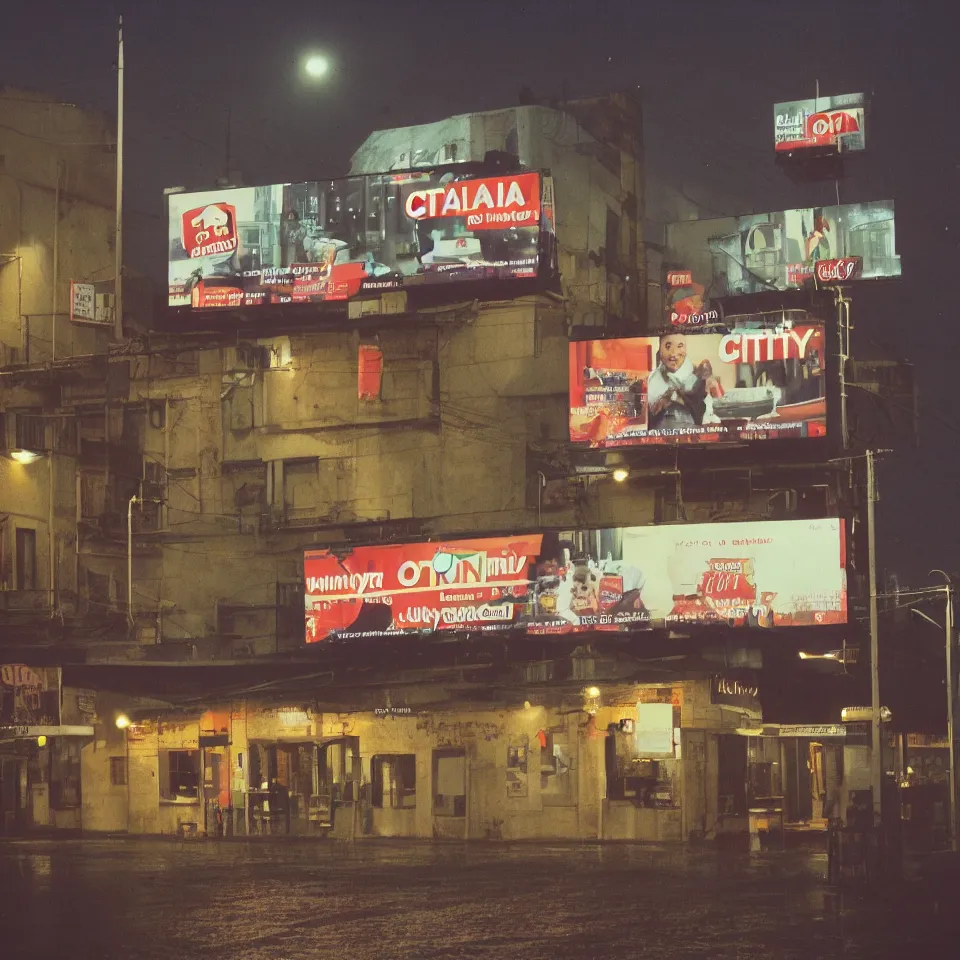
676 390
294 233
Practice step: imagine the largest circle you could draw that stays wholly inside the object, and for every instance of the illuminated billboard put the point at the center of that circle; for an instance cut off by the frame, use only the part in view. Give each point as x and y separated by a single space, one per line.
699 387
836 122
756 574
29 695
337 239
734 256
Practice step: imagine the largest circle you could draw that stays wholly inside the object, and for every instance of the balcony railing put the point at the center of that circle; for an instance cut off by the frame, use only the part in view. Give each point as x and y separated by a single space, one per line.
24 601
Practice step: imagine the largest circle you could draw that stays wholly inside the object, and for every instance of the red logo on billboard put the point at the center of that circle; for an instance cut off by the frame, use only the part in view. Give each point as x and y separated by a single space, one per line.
826 127
209 230
840 270
679 278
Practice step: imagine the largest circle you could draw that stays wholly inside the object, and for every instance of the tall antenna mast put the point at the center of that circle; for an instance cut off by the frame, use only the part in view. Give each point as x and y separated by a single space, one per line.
118 267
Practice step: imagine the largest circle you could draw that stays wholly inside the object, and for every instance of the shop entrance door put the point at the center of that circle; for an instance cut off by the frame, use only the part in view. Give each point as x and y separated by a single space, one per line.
12 790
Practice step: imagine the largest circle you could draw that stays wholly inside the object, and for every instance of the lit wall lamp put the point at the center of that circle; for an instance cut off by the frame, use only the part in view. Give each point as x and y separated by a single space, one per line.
591 700
25 456
621 474
122 721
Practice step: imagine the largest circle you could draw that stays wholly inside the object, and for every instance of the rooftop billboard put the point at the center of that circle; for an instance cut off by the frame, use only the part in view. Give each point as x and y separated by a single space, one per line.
822 122
337 239
762 252
756 574
699 387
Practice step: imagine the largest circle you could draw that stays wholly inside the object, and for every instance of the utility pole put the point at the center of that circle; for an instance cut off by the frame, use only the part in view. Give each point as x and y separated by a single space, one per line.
843 325
118 251
948 623
948 629
876 742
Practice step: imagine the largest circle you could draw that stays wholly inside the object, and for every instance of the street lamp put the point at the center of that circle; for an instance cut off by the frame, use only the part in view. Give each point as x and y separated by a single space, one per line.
25 456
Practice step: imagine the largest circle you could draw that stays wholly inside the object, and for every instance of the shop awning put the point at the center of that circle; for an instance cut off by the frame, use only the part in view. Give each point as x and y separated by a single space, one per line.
814 731
32 732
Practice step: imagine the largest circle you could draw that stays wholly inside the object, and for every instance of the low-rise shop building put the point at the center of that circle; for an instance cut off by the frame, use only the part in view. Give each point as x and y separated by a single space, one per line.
611 762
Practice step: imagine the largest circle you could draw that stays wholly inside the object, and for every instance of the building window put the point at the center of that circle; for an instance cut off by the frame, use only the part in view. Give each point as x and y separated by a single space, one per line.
65 774
301 483
556 777
179 774
26 559
449 783
731 775
394 781
612 241
118 771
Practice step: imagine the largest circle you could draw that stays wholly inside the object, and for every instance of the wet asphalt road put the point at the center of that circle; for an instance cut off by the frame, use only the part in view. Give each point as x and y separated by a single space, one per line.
385 899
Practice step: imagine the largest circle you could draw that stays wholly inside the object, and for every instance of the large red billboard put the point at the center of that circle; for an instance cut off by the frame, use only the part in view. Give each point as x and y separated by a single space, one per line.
698 387
338 239
757 574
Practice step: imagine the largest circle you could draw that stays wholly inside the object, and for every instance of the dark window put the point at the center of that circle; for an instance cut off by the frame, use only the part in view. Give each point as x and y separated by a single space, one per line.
118 771
394 780
556 779
65 774
26 559
179 774
31 432
613 239
732 775
449 783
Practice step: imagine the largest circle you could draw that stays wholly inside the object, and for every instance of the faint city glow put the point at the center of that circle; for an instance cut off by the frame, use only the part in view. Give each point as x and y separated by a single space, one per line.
621 474
25 456
316 66
123 721
526 704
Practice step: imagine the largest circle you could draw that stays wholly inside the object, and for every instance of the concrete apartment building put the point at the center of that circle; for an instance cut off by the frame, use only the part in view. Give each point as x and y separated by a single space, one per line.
194 463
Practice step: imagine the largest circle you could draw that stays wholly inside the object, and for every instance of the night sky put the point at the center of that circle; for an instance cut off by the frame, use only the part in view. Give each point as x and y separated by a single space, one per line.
709 71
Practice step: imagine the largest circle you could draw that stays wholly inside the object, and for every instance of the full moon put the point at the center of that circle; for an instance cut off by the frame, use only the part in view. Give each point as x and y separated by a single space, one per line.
316 66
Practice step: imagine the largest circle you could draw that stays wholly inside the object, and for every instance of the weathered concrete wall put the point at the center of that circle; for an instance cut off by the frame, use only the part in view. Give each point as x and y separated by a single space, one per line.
46 145
447 444
25 505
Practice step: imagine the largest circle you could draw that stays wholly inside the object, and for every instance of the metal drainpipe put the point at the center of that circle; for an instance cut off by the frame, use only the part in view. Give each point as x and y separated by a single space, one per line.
56 263
52 540
134 499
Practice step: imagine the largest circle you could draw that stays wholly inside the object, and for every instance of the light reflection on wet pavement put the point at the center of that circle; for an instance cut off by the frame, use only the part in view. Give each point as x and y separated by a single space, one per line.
394 899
